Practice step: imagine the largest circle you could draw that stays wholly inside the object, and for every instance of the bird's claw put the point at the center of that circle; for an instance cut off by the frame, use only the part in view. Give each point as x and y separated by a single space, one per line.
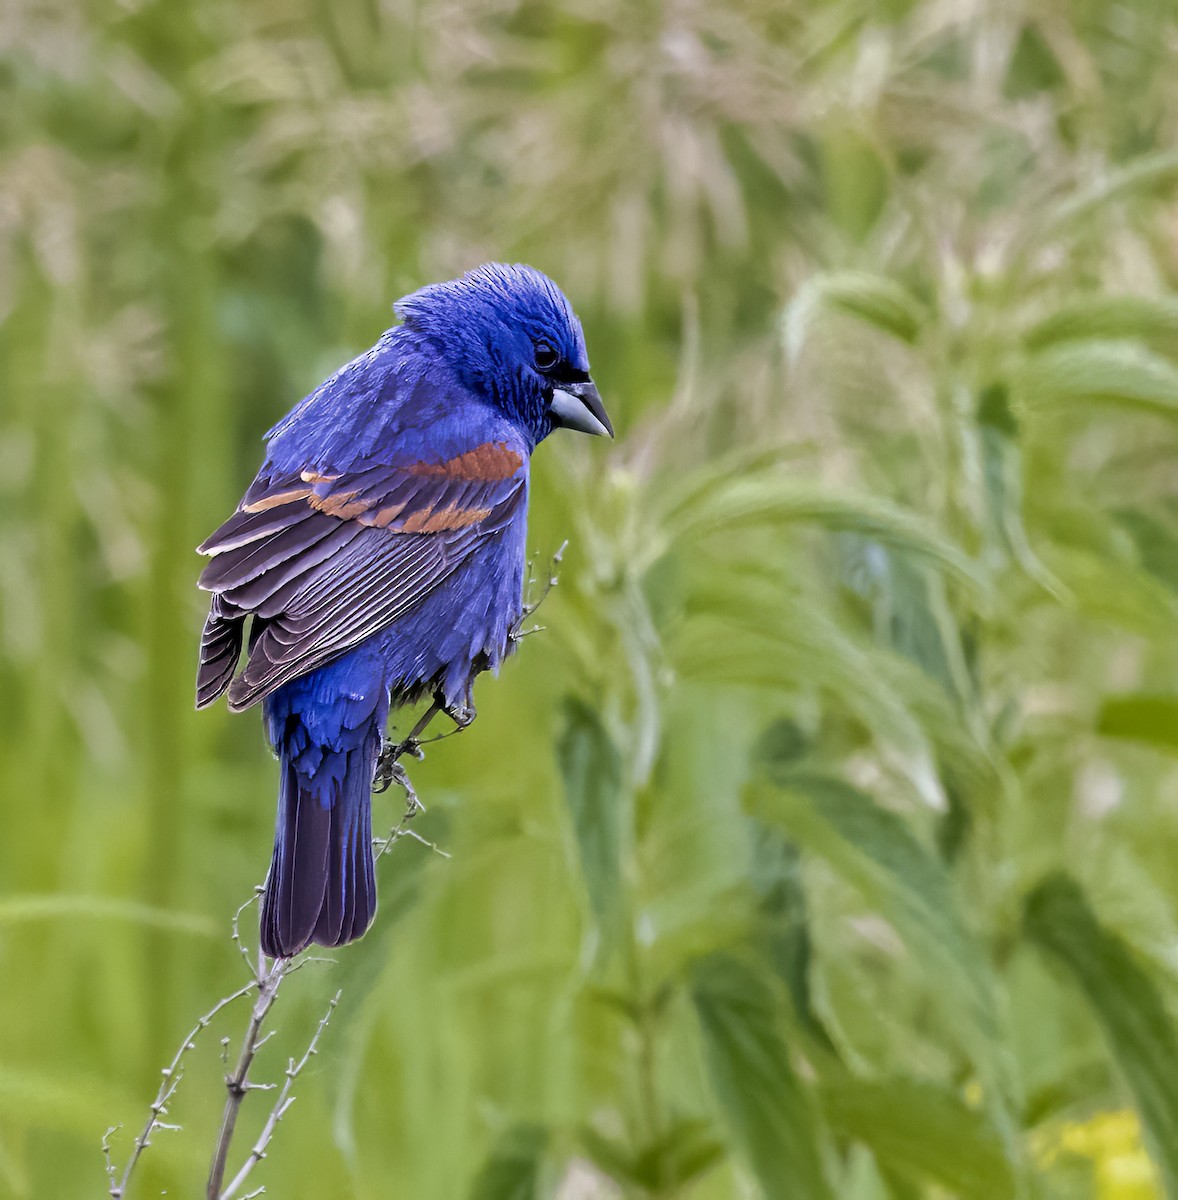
389 770
461 714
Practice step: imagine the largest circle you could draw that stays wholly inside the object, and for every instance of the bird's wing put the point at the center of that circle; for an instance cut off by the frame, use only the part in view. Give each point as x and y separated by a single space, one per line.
322 560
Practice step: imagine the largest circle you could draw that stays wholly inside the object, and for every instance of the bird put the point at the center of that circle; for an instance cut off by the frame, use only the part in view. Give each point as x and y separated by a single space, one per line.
378 557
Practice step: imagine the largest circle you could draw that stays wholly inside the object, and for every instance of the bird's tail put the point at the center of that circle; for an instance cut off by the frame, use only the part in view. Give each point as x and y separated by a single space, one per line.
321 886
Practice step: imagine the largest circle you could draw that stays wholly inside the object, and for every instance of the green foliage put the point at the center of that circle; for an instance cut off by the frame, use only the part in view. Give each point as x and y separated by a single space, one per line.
1092 370
1126 1002
921 1132
876 853
591 769
873 299
512 1170
867 629
761 1095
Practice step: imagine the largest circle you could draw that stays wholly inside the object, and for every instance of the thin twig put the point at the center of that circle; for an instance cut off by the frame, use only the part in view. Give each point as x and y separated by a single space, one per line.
172 1074
267 981
397 774
426 842
530 605
283 1101
111 1172
412 807
238 940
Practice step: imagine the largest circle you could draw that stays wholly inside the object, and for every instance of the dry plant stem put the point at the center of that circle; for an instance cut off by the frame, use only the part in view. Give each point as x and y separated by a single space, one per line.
266 981
531 605
281 1104
237 1083
172 1075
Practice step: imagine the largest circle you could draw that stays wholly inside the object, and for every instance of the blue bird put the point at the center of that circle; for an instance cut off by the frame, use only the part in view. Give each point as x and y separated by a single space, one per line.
379 557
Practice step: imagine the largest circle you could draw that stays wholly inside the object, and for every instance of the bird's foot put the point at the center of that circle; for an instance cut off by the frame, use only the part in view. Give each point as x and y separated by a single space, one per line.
392 772
388 768
461 714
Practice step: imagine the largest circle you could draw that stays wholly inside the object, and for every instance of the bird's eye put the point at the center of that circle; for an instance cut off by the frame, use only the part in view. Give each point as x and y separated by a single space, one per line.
546 357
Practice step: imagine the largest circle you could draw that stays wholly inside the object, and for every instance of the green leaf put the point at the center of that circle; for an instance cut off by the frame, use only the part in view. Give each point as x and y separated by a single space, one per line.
687 491
1100 372
855 180
873 850
1141 175
1033 67
910 612
1141 717
1115 591
1126 1002
1103 317
688 1149
752 629
610 1156
512 1169
877 300
1156 542
784 927
766 1107
592 772
769 500
1002 475
917 1129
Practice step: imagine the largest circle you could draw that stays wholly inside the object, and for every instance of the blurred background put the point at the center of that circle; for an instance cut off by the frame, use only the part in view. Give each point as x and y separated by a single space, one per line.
824 844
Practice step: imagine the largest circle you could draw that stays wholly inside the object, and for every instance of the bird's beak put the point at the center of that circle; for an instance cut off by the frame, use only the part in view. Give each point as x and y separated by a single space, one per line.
578 406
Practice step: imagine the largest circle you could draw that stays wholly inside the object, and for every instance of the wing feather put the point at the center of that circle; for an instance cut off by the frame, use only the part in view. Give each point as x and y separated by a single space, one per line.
321 561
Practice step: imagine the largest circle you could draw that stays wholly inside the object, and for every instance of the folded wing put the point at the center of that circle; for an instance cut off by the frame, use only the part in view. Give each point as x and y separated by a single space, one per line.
321 561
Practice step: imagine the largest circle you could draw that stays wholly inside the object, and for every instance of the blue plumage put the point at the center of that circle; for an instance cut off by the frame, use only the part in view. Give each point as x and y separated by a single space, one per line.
378 556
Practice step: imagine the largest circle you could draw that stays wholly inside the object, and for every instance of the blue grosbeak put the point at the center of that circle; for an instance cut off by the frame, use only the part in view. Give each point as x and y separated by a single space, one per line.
379 557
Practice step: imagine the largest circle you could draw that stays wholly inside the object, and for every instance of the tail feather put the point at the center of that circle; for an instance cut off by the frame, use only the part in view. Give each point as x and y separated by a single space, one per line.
322 884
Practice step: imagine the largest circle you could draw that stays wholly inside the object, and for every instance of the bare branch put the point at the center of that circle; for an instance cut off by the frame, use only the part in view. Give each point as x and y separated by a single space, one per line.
530 604
281 1104
236 1083
111 1172
266 977
426 842
171 1076
238 940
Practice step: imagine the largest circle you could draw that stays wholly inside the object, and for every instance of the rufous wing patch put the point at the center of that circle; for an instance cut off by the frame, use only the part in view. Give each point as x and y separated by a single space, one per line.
385 517
277 498
339 504
429 520
490 462
454 518
487 463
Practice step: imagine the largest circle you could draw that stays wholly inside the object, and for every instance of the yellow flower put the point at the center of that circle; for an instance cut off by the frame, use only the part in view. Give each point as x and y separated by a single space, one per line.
1112 1143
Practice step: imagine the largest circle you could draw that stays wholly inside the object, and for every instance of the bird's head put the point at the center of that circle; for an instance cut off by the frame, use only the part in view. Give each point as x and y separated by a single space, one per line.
510 335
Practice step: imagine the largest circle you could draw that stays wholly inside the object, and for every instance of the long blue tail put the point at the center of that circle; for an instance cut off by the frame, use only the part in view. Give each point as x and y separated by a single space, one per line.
321 886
